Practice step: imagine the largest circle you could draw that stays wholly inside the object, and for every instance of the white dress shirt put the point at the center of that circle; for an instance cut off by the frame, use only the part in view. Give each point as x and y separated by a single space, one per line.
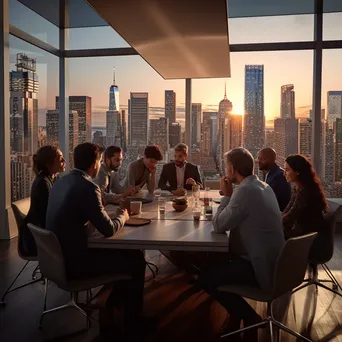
180 171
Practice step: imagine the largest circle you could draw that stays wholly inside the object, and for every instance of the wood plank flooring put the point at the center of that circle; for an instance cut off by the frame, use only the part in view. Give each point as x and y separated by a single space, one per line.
184 314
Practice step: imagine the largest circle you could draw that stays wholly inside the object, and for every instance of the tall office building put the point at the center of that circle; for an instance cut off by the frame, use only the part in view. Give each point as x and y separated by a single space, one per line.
98 138
114 95
338 150
233 132
287 102
175 134
82 104
196 113
225 108
24 87
269 138
334 106
138 119
52 132
170 106
254 120
159 133
305 136
286 138
207 135
123 131
113 128
213 117
327 173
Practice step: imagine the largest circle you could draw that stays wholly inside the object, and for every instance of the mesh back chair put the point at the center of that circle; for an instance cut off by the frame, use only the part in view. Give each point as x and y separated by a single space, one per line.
321 252
20 210
289 272
52 265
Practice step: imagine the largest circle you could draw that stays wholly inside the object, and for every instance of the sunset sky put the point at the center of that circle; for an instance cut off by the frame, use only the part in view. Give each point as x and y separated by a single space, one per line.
93 76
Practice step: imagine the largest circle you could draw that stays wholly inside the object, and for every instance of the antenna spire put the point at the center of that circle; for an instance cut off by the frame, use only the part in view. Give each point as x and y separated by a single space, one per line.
113 75
225 90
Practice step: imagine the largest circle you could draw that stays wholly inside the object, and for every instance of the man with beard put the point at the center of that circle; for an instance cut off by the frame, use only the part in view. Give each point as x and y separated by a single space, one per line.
180 175
251 214
274 176
108 177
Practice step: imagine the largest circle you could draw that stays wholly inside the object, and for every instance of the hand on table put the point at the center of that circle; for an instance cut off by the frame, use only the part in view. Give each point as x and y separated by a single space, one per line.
191 181
122 212
129 191
226 186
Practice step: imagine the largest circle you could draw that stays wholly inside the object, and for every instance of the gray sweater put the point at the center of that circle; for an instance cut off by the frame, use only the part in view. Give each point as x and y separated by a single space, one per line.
253 218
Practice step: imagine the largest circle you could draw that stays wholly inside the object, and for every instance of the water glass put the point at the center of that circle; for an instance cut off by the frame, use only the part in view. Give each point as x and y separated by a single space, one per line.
196 191
157 193
161 205
196 211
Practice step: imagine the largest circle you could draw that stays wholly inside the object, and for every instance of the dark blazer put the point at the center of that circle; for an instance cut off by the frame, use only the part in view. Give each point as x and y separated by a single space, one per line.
282 189
74 201
169 175
40 191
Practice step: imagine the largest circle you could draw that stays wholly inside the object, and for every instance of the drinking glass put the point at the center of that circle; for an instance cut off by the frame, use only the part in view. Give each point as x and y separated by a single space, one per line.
196 191
161 205
157 193
196 211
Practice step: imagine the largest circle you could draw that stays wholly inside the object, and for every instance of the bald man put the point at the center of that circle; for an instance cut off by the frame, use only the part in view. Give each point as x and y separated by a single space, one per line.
274 176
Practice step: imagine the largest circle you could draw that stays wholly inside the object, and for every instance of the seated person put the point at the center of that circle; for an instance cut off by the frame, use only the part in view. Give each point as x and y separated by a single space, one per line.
274 176
74 201
47 162
143 170
305 212
250 211
108 178
179 175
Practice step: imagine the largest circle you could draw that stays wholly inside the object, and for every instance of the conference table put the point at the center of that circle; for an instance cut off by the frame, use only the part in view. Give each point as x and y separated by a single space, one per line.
171 231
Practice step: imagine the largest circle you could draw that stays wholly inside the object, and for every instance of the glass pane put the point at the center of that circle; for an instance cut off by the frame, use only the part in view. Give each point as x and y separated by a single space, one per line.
32 23
254 89
288 28
332 26
110 100
94 38
332 137
33 87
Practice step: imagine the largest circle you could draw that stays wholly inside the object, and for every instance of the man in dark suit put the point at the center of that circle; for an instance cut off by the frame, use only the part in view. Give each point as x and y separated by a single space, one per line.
180 175
274 176
74 202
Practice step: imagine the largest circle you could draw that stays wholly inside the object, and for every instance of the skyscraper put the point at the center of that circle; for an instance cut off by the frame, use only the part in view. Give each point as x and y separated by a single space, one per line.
113 128
269 138
225 108
233 132
159 133
207 135
196 113
334 106
82 104
170 106
24 86
123 131
98 138
338 150
52 132
305 136
138 119
328 152
114 95
254 120
175 134
286 138
213 118
287 102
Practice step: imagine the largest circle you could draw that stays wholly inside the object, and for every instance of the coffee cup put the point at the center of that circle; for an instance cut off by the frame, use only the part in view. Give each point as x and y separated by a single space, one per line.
136 207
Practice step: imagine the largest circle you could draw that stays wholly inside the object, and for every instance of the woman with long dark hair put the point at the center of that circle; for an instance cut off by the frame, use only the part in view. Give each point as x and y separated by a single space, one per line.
305 212
47 163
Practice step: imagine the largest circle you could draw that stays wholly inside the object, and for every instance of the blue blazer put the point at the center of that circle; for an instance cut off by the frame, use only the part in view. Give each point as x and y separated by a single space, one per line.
282 189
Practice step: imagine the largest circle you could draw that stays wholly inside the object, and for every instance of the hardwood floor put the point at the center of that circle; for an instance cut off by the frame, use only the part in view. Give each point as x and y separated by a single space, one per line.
184 314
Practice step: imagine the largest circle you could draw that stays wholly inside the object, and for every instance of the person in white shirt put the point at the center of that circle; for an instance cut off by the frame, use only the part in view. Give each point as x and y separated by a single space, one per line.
179 175
108 178
252 216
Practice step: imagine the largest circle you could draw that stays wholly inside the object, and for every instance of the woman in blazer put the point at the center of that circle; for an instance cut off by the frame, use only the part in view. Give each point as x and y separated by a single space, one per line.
305 211
47 163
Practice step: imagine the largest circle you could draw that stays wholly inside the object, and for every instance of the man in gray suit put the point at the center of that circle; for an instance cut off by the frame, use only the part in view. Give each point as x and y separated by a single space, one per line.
108 178
251 214
74 201
180 175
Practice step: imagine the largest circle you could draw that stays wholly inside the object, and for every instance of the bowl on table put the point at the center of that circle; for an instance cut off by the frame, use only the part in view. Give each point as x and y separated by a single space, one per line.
180 204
